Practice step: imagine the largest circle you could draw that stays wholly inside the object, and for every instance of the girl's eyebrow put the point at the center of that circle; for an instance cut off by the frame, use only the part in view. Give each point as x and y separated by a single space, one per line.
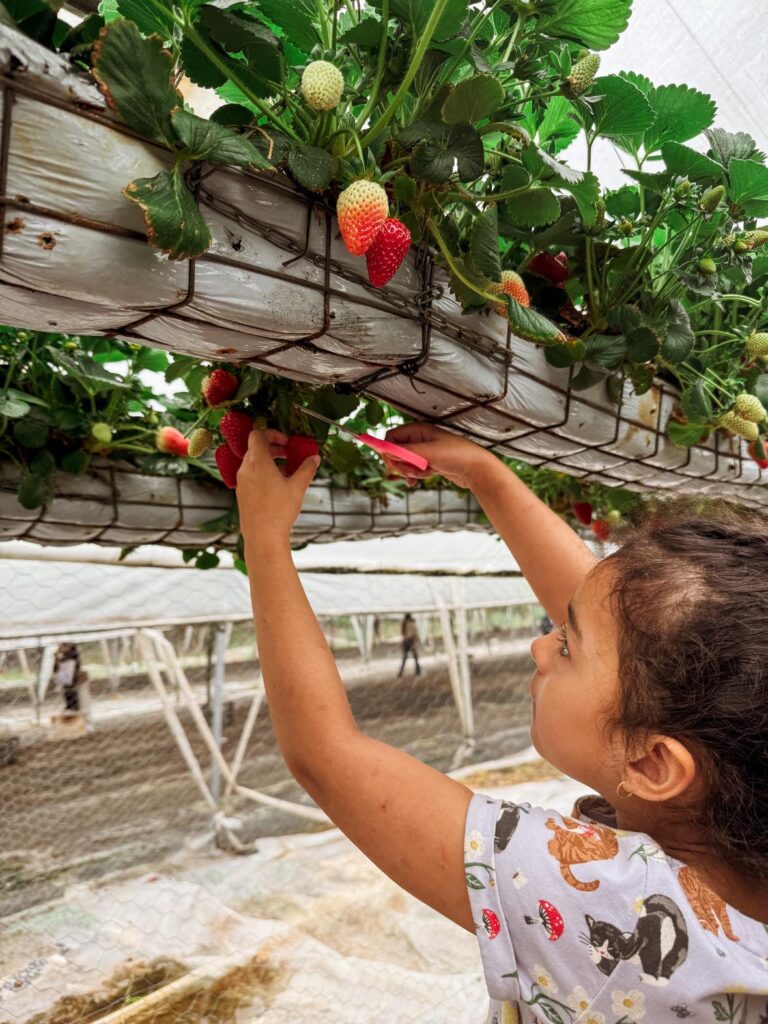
573 623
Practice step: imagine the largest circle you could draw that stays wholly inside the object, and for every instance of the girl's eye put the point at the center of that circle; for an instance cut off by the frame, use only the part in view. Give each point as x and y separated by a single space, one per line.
564 641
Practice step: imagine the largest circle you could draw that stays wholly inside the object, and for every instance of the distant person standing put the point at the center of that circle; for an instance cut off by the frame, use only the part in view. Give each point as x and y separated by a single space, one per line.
66 670
411 641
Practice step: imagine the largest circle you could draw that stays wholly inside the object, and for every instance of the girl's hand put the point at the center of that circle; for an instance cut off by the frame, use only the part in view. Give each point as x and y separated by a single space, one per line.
270 502
455 458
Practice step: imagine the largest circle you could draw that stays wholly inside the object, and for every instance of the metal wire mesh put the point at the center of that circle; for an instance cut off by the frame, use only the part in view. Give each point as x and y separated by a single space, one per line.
278 290
124 896
117 504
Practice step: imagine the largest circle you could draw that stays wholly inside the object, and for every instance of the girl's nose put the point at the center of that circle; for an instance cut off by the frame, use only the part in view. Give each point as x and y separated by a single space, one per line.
542 649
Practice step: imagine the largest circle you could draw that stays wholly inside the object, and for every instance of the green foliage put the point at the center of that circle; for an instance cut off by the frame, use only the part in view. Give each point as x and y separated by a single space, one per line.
460 111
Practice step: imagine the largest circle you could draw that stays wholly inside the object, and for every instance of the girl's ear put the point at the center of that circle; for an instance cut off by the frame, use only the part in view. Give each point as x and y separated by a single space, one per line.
664 771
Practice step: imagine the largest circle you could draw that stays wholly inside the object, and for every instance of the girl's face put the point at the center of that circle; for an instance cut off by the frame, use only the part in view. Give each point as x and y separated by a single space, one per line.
575 687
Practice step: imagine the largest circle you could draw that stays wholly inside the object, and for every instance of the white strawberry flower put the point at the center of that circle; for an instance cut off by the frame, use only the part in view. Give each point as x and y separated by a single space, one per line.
474 844
540 976
628 1004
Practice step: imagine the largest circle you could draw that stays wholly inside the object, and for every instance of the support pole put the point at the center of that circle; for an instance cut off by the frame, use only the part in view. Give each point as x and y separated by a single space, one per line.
357 627
217 709
464 666
44 677
245 736
109 664
369 637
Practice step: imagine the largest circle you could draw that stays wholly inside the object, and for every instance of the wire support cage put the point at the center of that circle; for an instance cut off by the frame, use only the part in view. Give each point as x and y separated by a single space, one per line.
277 289
116 504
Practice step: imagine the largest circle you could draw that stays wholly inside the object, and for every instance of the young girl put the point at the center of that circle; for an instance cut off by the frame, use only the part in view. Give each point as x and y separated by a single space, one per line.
647 903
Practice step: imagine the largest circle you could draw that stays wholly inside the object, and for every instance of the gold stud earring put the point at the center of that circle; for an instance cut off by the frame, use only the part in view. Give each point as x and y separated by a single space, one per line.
619 793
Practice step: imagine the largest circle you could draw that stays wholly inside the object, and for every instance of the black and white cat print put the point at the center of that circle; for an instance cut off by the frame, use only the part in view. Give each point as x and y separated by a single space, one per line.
581 923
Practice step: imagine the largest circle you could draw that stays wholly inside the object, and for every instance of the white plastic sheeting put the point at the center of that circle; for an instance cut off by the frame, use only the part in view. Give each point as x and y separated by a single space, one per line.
54 597
75 259
116 504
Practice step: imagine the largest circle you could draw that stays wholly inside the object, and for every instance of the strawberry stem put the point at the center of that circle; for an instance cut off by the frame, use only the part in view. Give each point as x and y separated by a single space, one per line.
413 67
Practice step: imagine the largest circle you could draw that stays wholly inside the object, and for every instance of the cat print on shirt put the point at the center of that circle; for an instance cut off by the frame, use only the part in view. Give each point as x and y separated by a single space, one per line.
506 823
710 909
580 843
659 942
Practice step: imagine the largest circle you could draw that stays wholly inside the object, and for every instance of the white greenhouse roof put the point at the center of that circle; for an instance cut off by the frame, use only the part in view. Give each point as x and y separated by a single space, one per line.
47 595
709 45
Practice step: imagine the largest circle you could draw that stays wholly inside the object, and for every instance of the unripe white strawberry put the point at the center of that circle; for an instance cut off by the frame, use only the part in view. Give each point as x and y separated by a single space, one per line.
749 407
738 425
322 85
756 346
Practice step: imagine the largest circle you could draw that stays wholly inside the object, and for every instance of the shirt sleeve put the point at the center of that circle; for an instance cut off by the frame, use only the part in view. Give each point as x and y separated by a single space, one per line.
546 891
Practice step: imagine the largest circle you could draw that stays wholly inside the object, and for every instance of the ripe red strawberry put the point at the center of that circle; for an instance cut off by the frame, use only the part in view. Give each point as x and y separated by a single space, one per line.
601 529
297 451
236 428
761 460
389 249
220 386
510 284
553 268
583 512
172 442
361 210
228 464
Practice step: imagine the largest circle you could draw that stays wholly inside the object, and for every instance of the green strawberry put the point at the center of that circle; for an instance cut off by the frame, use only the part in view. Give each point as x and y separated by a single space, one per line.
707 266
712 198
583 73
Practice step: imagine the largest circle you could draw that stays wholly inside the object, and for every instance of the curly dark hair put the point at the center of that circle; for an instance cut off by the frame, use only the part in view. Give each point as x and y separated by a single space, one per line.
690 594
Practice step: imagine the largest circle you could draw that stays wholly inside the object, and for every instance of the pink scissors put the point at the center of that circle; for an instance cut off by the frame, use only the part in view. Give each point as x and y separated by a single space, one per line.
378 444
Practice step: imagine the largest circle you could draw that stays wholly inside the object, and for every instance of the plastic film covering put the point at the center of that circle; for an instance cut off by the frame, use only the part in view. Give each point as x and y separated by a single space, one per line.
118 505
277 289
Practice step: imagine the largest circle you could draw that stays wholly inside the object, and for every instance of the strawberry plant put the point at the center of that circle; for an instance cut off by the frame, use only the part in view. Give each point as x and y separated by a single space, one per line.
68 400
442 123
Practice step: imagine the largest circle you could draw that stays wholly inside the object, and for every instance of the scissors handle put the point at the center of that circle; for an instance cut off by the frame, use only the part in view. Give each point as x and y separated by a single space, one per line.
395 450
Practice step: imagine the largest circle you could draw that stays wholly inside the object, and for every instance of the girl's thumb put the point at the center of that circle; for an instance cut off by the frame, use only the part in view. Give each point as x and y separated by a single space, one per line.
305 474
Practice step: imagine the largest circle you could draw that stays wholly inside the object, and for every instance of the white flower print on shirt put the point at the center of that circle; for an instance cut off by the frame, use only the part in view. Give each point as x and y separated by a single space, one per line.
474 844
630 1004
540 976
578 1000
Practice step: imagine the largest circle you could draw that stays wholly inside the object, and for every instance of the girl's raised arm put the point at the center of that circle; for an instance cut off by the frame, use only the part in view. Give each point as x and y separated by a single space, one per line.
551 556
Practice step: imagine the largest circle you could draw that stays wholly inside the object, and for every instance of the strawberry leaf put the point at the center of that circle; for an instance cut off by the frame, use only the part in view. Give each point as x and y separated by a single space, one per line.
593 23
206 140
686 435
619 107
473 99
311 166
484 244
174 222
536 208
529 324
151 18
688 163
295 19
198 68
135 75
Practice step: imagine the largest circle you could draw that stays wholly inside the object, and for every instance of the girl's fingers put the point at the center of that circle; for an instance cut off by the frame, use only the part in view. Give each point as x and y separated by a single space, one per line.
275 437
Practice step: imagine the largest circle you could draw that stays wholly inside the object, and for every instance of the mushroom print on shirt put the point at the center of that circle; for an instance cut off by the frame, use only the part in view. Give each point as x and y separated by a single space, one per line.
579 922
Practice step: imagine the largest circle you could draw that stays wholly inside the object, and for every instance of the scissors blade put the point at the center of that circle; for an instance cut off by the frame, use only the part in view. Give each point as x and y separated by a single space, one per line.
332 423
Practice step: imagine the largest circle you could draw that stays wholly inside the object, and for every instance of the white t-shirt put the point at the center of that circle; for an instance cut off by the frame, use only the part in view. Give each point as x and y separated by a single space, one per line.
581 923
